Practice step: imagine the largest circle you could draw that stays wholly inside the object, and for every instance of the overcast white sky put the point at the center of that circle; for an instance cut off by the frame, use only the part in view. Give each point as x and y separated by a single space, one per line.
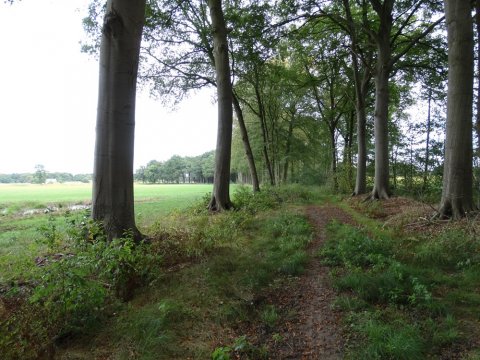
48 97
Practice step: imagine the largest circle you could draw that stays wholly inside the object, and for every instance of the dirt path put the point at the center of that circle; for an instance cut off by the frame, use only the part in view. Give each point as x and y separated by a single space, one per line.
313 331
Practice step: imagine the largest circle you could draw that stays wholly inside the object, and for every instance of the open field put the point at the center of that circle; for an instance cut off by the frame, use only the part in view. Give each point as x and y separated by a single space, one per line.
19 227
11 194
159 199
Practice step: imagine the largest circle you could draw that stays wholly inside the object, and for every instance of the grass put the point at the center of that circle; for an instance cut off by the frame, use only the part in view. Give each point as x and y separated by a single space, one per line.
16 197
409 296
201 276
18 233
217 293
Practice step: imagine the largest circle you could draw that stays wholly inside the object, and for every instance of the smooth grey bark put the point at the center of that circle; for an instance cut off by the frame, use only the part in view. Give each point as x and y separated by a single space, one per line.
348 151
457 191
362 84
246 144
477 122
221 183
361 88
385 63
263 125
382 98
113 201
288 144
361 177
427 145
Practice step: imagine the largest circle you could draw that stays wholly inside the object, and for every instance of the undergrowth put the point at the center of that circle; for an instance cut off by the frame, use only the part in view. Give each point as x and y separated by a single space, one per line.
177 296
405 297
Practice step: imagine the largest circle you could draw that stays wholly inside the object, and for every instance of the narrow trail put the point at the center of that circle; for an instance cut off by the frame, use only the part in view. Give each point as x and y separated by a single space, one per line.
313 331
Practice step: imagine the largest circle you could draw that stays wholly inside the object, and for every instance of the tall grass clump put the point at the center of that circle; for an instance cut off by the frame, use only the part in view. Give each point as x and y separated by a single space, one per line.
396 303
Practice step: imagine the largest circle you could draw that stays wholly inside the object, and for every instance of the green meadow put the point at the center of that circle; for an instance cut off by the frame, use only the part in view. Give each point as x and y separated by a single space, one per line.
33 195
20 229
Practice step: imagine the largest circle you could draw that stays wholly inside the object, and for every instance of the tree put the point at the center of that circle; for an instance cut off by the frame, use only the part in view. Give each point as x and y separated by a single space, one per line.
392 42
40 175
174 169
180 43
113 202
477 122
457 197
221 184
362 75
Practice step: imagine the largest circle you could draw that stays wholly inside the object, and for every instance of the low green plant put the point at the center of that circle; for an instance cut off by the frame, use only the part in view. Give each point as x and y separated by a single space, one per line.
388 340
81 276
270 316
202 270
240 347
221 353
351 247
393 299
450 250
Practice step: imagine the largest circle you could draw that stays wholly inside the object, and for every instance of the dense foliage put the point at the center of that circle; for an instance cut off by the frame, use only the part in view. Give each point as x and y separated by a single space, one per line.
60 177
177 169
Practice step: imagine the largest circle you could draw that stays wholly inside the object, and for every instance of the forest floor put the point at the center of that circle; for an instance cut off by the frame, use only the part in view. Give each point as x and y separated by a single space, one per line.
312 328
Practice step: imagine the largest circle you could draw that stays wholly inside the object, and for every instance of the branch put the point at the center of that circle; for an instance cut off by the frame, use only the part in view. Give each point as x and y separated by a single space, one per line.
405 23
414 41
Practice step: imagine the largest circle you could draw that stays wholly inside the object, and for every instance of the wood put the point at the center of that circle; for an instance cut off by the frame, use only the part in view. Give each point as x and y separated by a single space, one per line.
221 183
457 191
113 202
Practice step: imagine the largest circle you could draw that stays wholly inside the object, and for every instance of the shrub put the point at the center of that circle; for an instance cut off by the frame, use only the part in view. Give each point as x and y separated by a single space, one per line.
75 289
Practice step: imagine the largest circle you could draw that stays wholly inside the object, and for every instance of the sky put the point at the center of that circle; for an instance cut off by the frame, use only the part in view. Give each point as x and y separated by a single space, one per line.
48 97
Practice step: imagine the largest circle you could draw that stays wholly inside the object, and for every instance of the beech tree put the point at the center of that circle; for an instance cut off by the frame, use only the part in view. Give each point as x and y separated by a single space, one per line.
113 202
179 41
457 197
477 25
395 18
362 75
221 183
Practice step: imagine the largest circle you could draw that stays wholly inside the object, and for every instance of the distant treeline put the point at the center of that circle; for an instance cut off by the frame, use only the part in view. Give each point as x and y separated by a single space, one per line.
60 177
178 169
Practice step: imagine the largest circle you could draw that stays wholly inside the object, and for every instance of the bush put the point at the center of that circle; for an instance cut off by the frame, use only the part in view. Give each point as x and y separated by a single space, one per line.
75 289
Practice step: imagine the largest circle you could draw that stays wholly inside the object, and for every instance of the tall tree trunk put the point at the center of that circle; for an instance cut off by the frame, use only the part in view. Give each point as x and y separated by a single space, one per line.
361 179
361 88
113 200
333 154
265 136
382 97
457 192
347 158
477 123
288 147
246 144
394 168
221 184
427 145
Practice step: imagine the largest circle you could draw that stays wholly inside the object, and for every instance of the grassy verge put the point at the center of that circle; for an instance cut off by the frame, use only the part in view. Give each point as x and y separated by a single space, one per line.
413 296
20 234
180 296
